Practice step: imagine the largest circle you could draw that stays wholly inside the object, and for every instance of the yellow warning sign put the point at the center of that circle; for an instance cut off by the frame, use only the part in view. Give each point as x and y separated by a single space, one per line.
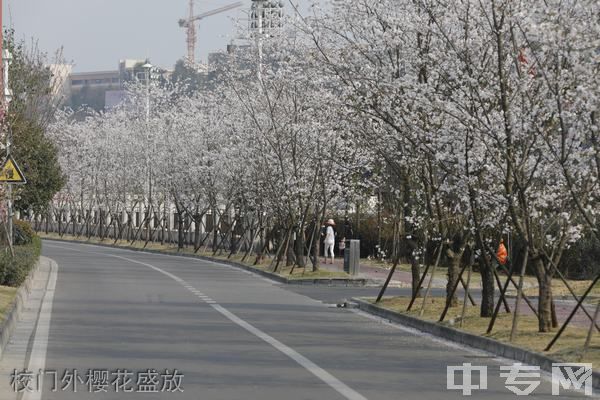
11 173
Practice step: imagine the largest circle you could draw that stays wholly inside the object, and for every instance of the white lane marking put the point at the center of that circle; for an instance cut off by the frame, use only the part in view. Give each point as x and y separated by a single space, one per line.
313 368
37 359
310 366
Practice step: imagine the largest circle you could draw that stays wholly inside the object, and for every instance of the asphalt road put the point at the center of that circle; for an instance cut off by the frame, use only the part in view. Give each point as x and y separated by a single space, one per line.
232 335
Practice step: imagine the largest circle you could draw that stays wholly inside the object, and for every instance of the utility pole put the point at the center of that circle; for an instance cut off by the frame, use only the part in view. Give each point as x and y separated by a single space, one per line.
4 107
6 97
258 14
4 111
266 17
9 201
1 32
148 68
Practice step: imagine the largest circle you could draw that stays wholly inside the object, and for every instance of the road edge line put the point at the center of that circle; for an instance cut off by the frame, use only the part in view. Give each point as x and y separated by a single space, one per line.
37 358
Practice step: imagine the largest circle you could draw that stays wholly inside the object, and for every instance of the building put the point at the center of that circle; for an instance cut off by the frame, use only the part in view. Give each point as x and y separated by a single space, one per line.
101 90
100 79
89 88
218 62
112 98
130 70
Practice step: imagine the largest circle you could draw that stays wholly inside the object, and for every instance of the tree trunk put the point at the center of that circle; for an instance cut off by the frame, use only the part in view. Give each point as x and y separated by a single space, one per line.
544 296
59 223
411 241
415 270
453 264
197 222
300 260
164 225
316 247
416 277
215 229
487 289
179 231
357 222
101 224
290 255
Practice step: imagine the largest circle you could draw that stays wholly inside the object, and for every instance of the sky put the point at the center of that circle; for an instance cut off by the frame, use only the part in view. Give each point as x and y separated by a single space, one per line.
96 34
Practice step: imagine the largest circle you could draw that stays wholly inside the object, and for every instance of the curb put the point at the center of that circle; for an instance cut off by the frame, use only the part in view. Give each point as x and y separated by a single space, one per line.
468 339
356 282
9 324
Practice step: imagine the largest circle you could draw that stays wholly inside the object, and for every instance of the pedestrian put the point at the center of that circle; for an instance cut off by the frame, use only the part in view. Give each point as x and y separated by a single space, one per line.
342 246
323 231
348 232
329 240
501 255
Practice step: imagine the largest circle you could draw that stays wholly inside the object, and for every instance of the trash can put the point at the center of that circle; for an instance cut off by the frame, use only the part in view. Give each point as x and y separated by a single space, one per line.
352 257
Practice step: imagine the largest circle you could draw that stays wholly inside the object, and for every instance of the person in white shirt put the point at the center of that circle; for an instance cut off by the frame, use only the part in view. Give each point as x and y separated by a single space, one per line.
329 240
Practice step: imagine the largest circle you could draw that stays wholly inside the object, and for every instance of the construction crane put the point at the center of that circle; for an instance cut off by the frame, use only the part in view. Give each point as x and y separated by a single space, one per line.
189 24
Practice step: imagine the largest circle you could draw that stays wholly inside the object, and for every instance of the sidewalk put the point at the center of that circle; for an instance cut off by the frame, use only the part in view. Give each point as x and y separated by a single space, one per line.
403 279
400 279
15 355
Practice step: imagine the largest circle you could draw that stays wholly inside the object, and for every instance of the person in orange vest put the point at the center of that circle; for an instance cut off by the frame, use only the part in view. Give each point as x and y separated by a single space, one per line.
501 254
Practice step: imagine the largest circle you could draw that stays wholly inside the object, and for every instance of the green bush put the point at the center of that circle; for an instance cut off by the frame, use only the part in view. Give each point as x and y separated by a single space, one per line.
582 259
22 232
14 271
368 234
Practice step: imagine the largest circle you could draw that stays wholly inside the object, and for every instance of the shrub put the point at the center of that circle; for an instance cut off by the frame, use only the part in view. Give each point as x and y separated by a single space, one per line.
368 234
582 259
22 232
14 271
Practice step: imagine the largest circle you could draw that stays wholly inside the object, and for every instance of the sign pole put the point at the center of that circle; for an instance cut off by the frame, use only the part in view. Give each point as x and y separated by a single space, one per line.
1 39
8 138
11 174
6 97
10 202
